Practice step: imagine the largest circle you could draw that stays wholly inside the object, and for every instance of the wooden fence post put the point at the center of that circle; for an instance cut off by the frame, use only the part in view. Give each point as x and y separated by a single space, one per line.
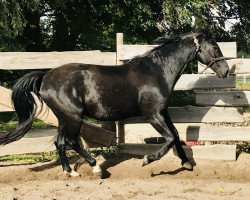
119 41
121 126
121 132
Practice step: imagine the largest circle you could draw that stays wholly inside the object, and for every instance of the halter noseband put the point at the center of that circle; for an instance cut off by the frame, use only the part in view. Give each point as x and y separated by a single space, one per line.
213 60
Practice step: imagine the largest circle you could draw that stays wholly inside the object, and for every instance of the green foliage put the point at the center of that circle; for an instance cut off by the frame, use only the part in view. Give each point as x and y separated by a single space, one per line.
244 147
13 22
243 54
92 25
80 24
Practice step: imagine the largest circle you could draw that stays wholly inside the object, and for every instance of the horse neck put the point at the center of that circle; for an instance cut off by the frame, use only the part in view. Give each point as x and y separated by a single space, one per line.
177 59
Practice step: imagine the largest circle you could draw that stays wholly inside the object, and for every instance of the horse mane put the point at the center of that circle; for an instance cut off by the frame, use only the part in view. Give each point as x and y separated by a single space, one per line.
167 40
162 41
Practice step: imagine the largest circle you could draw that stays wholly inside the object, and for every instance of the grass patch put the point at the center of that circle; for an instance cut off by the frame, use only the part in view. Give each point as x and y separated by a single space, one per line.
53 156
9 126
242 86
35 158
30 158
38 124
105 152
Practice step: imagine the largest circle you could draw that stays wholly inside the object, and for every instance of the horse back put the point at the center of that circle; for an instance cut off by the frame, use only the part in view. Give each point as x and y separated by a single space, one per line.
100 92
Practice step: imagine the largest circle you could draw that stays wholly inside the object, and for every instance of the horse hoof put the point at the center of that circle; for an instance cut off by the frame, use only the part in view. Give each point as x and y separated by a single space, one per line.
187 166
72 173
96 169
145 161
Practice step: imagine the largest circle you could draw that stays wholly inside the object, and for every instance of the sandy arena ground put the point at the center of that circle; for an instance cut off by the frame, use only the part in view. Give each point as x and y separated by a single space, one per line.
124 178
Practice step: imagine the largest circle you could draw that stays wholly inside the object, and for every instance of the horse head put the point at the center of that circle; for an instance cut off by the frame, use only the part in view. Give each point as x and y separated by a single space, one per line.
208 52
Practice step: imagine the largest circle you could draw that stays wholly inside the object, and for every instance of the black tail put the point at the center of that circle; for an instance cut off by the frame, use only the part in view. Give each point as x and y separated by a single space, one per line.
24 104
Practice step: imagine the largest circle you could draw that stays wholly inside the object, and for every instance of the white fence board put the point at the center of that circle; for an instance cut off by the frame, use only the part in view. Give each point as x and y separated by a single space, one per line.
46 115
5 108
237 66
126 52
47 60
210 152
228 49
223 98
136 133
204 81
212 133
191 114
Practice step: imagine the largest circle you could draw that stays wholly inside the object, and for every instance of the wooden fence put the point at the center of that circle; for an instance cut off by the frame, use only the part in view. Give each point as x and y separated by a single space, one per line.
217 106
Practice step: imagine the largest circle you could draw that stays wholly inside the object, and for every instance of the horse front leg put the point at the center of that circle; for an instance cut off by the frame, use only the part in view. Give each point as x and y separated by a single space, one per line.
180 151
159 123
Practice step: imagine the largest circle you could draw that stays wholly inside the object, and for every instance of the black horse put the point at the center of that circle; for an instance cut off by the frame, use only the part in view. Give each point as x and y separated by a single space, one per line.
142 86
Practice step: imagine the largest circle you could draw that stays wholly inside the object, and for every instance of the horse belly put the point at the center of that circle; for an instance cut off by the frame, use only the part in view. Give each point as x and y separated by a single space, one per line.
112 110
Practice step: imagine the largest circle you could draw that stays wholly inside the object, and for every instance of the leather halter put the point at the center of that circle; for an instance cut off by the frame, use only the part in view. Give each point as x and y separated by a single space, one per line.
212 59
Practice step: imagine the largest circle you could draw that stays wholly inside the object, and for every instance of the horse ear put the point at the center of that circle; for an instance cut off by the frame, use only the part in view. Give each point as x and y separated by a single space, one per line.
166 40
199 36
205 33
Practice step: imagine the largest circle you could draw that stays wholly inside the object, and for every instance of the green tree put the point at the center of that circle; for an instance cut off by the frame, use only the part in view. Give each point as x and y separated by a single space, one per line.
43 25
92 24
180 16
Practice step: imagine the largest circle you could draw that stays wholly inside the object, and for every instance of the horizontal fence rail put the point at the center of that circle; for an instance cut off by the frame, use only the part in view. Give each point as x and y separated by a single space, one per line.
210 152
191 114
126 52
214 133
237 66
48 60
223 98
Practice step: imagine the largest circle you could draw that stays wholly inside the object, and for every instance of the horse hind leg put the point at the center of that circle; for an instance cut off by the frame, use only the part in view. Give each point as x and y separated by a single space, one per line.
61 149
72 131
74 144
